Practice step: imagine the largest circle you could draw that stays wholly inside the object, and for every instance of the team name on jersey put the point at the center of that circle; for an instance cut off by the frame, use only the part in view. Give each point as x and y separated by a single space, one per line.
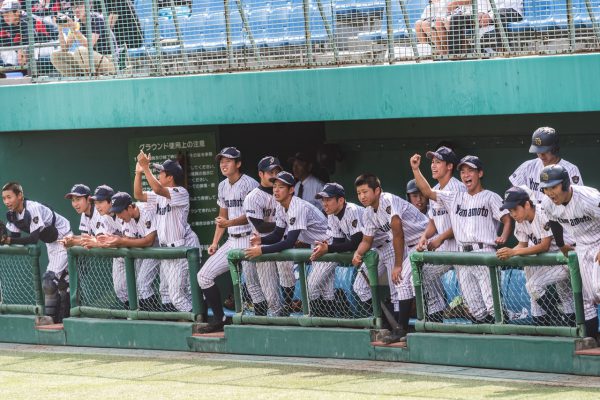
575 221
385 228
267 212
438 212
234 203
472 212
533 185
163 210
534 239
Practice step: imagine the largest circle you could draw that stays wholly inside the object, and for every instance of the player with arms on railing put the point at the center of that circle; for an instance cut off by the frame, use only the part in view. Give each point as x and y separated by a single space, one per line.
474 216
41 223
404 224
80 196
532 230
576 209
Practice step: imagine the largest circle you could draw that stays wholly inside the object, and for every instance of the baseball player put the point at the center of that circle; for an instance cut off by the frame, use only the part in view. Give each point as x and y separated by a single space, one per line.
260 207
404 224
81 201
544 143
532 230
41 223
474 216
139 230
172 204
305 224
576 209
414 196
231 194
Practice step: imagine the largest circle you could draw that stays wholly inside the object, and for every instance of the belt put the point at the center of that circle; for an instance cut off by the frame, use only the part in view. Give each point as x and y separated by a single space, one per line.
240 235
177 243
471 247
383 244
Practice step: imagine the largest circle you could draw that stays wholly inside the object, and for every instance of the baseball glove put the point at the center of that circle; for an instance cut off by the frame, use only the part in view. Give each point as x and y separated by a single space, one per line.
3 233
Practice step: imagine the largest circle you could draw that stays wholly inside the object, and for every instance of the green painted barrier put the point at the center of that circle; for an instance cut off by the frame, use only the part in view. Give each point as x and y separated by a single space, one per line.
419 259
302 257
20 280
130 255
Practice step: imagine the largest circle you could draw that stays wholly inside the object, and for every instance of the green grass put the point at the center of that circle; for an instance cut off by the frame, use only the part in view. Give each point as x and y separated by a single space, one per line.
25 375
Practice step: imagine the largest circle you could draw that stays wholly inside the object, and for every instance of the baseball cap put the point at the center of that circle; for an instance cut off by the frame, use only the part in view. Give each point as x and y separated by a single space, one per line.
443 154
78 190
171 167
119 202
332 189
411 187
284 177
268 163
552 175
543 140
471 161
229 152
103 192
514 197
10 5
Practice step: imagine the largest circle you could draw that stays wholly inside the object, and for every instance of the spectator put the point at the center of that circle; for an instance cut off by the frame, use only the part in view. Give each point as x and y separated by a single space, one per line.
124 23
13 32
46 10
307 185
462 23
433 26
77 62
508 11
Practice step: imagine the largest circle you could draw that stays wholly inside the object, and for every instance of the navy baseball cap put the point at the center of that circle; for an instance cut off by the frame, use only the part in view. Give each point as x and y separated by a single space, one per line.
443 154
78 190
171 167
284 177
513 197
103 192
471 161
332 189
411 187
268 163
120 201
228 152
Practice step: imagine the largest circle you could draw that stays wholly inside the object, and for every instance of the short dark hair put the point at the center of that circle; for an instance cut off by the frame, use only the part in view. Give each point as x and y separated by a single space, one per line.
371 180
14 187
179 179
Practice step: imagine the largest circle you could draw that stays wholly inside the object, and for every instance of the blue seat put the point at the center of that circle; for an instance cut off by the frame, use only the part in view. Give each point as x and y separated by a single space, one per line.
193 32
414 9
258 20
148 47
278 25
528 15
143 9
236 27
582 16
295 35
214 38
544 19
318 33
358 7
207 6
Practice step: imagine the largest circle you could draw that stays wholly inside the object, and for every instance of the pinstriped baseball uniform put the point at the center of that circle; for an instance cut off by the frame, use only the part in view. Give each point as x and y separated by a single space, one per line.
539 278
260 204
413 225
90 224
171 227
475 220
581 217
528 174
312 224
231 197
145 269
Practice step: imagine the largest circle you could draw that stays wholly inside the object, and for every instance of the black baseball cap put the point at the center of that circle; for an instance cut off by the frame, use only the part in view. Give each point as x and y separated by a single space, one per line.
229 152
284 177
120 201
471 161
443 153
268 163
171 167
332 189
78 190
514 197
103 192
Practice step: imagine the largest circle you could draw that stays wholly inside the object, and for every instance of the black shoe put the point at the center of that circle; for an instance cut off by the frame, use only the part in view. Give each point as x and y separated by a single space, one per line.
213 327
396 336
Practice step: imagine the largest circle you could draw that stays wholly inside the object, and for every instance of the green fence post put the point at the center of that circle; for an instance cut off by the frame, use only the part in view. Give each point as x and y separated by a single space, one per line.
500 26
73 283
307 33
303 290
389 30
234 257
475 13
417 270
496 295
34 253
592 15
411 32
193 259
571 25
577 286
88 28
30 48
131 286
371 260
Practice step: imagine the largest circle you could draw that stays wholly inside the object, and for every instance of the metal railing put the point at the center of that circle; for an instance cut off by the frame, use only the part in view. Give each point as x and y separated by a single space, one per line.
501 322
306 316
20 281
158 37
93 283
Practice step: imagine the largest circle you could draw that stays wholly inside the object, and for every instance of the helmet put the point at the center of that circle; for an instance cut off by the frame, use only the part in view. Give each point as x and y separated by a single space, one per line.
543 140
554 174
411 187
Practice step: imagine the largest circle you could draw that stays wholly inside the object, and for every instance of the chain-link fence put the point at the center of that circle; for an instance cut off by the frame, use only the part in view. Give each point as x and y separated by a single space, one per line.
161 37
479 293
135 283
20 282
286 289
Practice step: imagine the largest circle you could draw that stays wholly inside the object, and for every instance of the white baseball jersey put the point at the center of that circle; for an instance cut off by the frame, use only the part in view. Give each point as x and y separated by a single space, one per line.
438 213
528 174
310 187
35 216
580 217
260 204
303 216
171 215
108 225
533 232
346 225
145 224
474 218
88 224
414 221
231 197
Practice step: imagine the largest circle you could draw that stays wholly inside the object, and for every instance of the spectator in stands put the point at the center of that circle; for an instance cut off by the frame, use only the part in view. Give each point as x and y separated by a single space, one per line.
77 62
13 32
433 26
46 10
124 23
508 11
307 185
462 23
